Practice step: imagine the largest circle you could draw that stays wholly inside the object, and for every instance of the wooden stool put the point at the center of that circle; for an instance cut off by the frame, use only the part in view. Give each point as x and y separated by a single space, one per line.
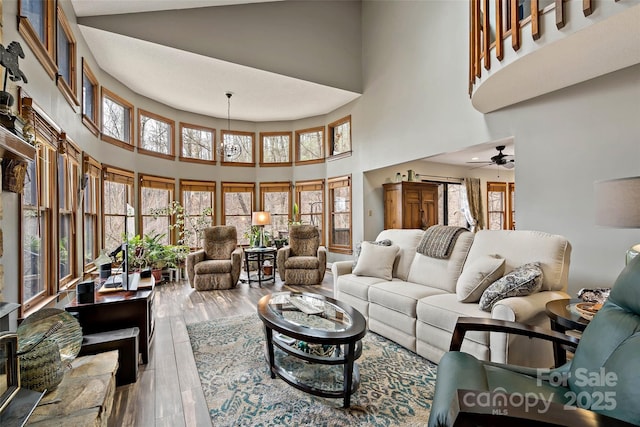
123 340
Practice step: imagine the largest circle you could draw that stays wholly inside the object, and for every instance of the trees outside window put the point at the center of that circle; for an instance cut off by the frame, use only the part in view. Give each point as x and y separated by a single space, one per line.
340 137
501 206
310 201
156 193
198 201
156 134
117 193
116 120
275 198
89 99
237 206
197 143
275 149
310 145
244 140
340 214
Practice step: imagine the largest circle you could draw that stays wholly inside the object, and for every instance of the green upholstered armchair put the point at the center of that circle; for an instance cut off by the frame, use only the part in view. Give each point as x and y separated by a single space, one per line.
599 386
217 265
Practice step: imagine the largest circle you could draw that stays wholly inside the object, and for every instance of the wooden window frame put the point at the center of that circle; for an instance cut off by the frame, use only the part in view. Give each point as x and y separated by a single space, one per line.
333 184
120 176
172 131
276 187
90 180
43 50
264 135
301 132
331 128
508 212
91 123
252 163
312 185
237 187
71 157
184 158
106 93
68 88
161 183
203 186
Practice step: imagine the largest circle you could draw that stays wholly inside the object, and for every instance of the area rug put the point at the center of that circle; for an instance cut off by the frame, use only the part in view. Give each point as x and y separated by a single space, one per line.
396 385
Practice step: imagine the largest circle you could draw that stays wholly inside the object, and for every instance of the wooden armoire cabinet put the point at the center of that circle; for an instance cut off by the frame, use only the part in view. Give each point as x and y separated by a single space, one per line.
410 204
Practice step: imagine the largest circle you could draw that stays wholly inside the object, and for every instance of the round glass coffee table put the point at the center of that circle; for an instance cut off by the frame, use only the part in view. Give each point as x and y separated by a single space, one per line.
312 342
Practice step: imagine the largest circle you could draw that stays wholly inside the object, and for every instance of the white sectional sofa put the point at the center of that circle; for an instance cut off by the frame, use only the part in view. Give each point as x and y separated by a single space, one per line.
418 307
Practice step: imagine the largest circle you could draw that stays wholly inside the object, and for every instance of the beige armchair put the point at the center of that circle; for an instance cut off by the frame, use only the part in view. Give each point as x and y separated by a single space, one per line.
218 264
303 261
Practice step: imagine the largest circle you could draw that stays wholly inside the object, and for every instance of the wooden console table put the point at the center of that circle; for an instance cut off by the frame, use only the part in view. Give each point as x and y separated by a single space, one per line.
120 310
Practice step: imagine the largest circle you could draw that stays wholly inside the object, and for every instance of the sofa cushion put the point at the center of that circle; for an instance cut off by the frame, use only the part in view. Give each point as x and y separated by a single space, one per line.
400 296
407 240
302 262
358 249
441 273
478 276
358 286
213 266
522 281
376 261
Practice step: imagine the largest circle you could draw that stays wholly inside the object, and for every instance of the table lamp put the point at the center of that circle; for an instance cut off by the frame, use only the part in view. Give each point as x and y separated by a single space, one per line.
618 205
261 219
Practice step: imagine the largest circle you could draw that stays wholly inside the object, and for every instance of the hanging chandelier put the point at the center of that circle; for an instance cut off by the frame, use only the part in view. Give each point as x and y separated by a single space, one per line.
229 148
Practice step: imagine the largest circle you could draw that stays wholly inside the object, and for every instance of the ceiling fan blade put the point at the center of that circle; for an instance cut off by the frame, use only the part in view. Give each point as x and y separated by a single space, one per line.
485 162
509 165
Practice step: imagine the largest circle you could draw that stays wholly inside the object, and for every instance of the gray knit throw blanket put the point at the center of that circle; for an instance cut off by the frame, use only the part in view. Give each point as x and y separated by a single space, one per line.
438 241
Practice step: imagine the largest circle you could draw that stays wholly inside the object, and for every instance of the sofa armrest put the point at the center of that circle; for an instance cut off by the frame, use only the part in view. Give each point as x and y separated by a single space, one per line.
524 309
236 265
192 259
322 261
338 268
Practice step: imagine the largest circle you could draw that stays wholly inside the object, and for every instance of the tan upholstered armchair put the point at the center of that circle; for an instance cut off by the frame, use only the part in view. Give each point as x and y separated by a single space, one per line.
303 261
218 264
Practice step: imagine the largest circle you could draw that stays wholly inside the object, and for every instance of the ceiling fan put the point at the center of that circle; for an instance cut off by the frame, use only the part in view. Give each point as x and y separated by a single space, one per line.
507 161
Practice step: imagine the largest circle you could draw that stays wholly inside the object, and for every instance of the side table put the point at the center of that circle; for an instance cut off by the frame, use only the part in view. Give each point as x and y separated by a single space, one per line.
260 256
562 320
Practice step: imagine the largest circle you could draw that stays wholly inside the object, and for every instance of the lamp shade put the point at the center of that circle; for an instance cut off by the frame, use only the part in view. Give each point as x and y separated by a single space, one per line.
618 202
260 218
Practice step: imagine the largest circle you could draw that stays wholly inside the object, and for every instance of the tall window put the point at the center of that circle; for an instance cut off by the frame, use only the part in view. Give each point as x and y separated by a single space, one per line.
116 120
156 193
275 197
501 206
90 180
89 99
340 214
245 142
198 201
275 149
66 56
197 143
156 134
68 167
310 200
310 145
340 136
36 24
38 228
117 193
237 206
449 204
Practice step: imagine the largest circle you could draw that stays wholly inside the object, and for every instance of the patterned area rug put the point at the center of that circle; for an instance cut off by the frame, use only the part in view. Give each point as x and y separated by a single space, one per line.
396 385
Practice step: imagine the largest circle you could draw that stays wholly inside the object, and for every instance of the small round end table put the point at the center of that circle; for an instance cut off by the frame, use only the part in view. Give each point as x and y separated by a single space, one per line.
562 320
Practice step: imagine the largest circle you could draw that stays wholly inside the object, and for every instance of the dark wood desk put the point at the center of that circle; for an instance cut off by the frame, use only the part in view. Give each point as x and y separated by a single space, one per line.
562 320
119 310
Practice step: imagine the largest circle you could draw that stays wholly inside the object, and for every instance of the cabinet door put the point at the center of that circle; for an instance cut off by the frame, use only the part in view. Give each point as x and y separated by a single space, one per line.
392 207
429 205
412 213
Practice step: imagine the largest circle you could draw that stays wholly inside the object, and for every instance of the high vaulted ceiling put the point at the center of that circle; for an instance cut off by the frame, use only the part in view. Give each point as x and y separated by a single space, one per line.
281 60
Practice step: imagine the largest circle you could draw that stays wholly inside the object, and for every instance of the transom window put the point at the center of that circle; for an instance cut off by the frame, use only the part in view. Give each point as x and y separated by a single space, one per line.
310 200
37 25
197 143
244 141
275 149
340 136
310 145
116 120
275 197
237 206
156 134
89 99
66 56
340 214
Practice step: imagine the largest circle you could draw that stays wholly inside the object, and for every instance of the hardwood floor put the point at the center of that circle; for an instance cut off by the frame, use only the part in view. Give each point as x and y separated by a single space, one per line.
168 391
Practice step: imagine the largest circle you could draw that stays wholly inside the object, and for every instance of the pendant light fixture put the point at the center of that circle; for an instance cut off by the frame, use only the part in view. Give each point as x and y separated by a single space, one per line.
229 148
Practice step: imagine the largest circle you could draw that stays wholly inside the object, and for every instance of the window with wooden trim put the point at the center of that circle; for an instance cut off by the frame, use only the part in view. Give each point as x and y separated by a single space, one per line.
155 134
36 24
275 197
340 214
69 157
340 137
275 148
117 115
310 145
198 200
117 195
66 59
38 228
90 187
156 193
90 98
501 206
310 200
237 206
245 142
197 143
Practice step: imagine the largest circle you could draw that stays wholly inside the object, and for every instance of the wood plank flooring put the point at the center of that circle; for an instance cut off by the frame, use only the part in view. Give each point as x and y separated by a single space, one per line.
168 391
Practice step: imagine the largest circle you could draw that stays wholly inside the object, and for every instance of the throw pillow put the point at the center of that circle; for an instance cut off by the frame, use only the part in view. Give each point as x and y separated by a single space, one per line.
376 261
478 276
522 281
356 252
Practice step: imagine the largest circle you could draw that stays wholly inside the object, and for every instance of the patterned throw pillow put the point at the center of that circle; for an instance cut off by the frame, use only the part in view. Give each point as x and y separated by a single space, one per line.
522 281
358 250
